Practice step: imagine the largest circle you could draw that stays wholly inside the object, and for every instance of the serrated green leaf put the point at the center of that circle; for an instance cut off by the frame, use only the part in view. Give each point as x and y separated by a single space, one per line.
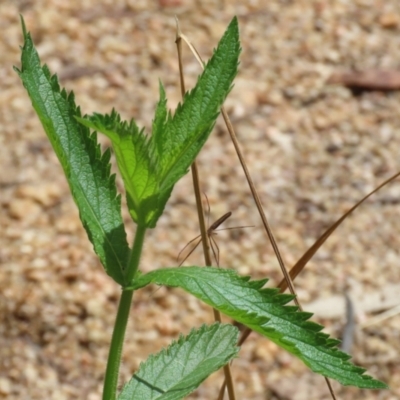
136 162
86 169
178 370
263 311
161 114
186 132
151 166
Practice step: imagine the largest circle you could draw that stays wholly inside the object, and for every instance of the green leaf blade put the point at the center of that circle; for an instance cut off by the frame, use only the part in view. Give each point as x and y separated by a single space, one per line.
133 150
150 166
264 312
177 371
186 132
161 113
87 171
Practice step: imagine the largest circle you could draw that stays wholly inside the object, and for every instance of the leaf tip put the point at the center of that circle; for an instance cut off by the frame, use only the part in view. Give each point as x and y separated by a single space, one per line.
24 31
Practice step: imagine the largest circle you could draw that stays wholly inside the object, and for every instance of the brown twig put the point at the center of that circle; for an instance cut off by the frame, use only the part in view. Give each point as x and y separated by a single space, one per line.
257 200
373 79
203 230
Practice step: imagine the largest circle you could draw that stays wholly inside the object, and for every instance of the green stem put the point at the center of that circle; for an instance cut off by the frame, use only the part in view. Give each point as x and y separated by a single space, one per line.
117 340
114 356
133 264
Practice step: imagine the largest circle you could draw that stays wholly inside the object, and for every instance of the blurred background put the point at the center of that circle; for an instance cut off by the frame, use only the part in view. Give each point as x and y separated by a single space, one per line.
316 110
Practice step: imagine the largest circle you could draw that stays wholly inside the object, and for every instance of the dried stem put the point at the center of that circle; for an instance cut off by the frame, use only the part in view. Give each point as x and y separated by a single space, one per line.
257 200
204 236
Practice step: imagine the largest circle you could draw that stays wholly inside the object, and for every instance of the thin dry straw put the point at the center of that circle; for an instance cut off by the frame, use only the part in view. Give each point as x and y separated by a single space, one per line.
204 236
256 198
381 317
300 265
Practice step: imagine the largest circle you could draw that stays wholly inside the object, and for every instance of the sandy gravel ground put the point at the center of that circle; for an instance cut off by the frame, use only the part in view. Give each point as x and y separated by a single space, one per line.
313 148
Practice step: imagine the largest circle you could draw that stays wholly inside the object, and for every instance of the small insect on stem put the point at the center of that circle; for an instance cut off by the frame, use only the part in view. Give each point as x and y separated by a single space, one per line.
211 231
218 222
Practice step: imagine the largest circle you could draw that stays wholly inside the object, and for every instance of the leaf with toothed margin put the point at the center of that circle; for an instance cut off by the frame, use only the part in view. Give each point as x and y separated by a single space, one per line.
265 311
151 166
136 162
86 169
178 370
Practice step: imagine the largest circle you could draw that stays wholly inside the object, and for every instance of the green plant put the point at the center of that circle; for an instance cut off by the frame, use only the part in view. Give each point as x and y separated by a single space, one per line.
150 166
